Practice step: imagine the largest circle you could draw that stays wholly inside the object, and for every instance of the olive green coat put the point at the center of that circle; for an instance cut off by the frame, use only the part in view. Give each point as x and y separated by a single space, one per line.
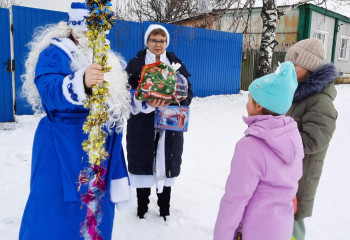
316 116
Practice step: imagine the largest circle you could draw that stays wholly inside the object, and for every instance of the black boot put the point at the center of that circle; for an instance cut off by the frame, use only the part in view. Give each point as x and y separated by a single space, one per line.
142 201
164 202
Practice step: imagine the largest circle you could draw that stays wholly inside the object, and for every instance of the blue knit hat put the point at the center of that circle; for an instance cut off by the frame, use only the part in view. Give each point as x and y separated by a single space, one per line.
76 16
275 91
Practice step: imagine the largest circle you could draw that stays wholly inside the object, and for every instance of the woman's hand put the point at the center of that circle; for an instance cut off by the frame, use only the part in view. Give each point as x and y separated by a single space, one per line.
93 75
158 103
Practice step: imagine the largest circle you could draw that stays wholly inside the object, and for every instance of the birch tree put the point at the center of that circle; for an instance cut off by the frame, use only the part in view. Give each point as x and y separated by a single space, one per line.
269 15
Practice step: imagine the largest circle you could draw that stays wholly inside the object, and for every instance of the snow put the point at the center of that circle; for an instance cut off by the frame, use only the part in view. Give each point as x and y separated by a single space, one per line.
215 127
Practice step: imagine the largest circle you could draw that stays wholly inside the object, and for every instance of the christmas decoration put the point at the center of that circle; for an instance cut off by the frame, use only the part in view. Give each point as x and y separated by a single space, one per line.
172 117
100 20
157 81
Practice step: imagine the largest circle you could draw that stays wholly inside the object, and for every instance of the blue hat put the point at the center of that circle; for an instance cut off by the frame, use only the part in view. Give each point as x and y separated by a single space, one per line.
76 16
275 91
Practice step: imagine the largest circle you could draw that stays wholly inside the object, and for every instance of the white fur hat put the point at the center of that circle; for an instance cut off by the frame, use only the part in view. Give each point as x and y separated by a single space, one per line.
76 16
157 26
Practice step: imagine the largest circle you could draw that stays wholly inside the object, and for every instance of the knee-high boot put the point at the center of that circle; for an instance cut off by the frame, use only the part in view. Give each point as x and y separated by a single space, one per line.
142 201
164 202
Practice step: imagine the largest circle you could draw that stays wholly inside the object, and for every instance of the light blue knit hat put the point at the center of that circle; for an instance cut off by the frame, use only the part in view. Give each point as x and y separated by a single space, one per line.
275 91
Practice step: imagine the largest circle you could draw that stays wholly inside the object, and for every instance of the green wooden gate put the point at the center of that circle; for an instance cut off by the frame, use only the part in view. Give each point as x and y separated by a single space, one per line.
250 66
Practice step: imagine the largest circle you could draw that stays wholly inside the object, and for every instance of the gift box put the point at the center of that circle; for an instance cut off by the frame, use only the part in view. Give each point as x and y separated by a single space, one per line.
172 117
158 81
181 86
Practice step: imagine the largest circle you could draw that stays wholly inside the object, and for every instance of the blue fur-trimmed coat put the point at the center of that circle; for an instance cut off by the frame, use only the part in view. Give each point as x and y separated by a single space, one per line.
54 210
316 116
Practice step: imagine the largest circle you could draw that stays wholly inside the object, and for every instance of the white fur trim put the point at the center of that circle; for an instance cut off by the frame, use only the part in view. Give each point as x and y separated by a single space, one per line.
129 203
160 162
120 190
76 18
78 59
73 87
147 181
156 26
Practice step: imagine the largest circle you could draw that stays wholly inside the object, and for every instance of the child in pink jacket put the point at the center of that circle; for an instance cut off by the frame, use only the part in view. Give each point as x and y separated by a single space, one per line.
266 166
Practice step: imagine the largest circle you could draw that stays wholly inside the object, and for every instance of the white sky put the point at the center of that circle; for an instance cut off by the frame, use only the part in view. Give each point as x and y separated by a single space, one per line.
63 5
57 5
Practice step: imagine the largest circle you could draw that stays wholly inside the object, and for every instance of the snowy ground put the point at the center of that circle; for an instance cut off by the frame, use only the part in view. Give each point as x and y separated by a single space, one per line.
215 127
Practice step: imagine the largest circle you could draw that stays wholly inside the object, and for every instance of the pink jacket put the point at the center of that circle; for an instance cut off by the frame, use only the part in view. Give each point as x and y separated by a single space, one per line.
263 181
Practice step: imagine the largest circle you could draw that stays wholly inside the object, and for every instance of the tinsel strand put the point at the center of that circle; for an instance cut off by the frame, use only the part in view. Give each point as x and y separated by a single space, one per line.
100 20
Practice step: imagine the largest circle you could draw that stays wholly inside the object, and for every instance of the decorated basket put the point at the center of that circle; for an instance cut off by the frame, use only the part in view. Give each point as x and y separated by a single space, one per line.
158 81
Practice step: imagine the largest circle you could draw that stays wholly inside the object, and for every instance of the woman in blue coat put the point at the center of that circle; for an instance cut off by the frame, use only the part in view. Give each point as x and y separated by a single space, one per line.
59 74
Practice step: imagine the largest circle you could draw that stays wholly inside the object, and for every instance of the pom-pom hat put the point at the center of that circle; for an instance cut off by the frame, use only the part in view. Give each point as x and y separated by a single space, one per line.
275 91
153 27
76 16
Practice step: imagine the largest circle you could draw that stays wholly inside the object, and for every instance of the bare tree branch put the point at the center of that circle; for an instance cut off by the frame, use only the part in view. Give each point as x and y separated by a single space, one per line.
171 10
342 2
9 3
295 5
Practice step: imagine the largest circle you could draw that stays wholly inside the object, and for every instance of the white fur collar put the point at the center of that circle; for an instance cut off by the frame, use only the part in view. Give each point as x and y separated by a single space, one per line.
78 59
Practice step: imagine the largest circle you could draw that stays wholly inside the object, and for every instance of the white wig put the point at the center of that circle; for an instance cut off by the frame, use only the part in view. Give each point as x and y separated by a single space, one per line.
41 40
119 101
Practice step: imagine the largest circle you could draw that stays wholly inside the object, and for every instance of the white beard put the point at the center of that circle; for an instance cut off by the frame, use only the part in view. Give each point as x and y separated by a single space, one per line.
118 103
83 43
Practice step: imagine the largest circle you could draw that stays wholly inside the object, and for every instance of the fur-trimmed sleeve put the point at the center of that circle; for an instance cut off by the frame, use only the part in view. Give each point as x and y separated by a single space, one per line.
58 86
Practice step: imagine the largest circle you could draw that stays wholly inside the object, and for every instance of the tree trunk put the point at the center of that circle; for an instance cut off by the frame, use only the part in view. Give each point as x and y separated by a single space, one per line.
269 15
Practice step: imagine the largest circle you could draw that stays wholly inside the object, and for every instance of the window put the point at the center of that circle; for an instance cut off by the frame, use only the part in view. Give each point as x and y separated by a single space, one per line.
320 36
323 36
344 42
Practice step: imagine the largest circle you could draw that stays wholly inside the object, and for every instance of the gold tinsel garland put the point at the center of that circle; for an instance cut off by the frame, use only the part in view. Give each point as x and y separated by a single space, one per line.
100 20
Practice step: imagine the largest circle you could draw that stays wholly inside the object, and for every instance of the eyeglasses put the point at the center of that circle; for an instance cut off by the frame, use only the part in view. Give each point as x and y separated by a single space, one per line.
154 41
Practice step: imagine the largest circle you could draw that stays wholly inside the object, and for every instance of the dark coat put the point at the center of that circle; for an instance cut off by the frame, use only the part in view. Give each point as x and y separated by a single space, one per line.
140 138
316 116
